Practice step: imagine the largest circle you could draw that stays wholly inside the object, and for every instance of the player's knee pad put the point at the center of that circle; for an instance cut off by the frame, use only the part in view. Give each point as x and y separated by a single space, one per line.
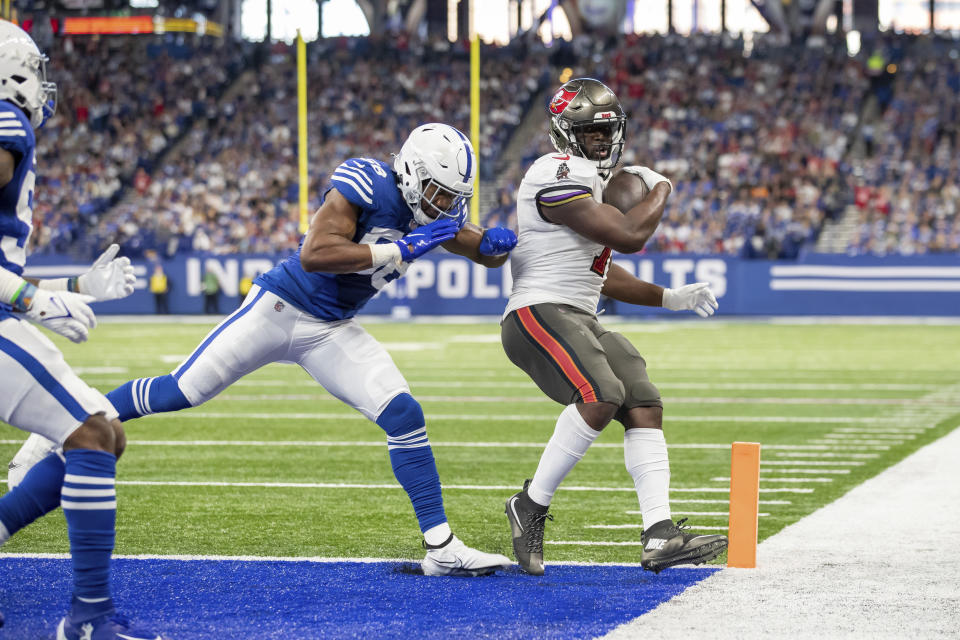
610 390
401 416
642 393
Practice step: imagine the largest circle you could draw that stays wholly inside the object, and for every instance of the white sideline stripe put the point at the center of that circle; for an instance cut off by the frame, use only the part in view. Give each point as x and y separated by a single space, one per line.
812 463
805 454
727 479
832 471
887 443
872 436
908 286
863 272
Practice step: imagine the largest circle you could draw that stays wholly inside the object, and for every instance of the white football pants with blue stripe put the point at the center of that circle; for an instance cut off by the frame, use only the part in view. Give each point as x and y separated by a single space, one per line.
346 360
41 394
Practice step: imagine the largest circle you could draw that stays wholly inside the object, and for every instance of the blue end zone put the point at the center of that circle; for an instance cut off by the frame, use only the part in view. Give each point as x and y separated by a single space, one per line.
190 600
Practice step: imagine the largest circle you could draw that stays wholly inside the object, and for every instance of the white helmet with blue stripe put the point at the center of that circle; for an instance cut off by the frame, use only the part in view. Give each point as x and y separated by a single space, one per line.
23 74
436 167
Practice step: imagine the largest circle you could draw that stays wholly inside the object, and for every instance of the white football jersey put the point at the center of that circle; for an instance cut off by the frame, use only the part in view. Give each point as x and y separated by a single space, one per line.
551 262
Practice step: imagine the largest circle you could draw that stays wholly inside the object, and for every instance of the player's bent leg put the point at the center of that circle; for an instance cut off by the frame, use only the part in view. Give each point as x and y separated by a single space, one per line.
252 336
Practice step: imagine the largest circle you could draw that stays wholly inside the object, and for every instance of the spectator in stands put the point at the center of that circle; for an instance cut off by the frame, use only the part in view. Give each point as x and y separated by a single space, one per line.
211 293
160 288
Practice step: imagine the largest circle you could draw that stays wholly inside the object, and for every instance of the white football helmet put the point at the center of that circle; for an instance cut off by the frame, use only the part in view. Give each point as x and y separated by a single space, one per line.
23 74
436 166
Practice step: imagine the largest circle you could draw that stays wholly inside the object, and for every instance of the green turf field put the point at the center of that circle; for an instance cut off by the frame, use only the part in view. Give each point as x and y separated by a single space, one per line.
831 404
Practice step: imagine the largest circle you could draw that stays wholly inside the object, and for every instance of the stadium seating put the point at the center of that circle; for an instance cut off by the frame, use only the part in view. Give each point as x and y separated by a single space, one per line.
762 147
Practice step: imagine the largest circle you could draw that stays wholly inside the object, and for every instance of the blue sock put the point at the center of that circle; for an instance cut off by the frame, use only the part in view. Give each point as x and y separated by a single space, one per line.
144 396
89 503
37 494
412 458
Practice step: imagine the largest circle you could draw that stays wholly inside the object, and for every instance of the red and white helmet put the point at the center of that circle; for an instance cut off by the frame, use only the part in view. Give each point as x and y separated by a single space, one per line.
23 74
440 155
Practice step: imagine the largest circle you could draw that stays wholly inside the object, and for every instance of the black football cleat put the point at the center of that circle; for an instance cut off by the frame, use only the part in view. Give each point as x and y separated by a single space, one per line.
666 544
527 519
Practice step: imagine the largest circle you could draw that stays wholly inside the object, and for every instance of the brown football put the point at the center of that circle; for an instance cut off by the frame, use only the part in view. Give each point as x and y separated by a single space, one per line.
625 190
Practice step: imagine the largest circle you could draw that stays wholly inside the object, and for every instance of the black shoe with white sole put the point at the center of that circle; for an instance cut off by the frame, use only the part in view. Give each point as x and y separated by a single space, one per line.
666 544
527 520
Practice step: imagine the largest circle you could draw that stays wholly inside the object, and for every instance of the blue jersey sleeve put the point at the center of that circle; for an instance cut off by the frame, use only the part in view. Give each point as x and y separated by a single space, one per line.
16 134
362 181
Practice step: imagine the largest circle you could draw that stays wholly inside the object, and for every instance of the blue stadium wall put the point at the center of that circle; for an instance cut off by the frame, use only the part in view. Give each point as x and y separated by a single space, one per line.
449 285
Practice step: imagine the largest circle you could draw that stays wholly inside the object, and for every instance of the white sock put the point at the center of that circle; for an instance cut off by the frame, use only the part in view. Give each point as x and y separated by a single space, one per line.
4 534
437 535
571 439
645 456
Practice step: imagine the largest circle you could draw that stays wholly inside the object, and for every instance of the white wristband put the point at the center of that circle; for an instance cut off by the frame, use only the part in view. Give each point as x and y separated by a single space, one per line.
10 285
384 253
55 284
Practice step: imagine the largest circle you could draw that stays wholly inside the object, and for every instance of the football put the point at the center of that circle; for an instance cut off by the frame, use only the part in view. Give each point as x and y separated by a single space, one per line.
625 190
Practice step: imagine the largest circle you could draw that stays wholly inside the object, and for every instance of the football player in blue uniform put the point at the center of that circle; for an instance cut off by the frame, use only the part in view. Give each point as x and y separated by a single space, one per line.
40 392
374 221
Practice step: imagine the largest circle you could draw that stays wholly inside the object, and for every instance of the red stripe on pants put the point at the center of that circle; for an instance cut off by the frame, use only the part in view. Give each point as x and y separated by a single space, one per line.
558 353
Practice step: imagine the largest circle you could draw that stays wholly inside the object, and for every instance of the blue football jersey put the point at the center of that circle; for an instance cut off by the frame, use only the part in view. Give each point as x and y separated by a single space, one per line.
16 197
384 217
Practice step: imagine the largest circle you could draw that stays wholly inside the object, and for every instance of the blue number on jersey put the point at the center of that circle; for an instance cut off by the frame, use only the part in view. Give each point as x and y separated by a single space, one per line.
16 197
371 185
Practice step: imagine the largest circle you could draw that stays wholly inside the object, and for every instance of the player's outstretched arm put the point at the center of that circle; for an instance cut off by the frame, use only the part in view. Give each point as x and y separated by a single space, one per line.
604 224
621 285
489 247
328 245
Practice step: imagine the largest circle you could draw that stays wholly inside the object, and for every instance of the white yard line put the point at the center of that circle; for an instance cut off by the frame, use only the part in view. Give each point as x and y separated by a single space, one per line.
860 567
487 417
727 479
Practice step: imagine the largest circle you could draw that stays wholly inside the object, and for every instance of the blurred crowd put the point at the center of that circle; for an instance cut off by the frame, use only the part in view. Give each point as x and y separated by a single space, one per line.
908 191
232 184
122 102
172 144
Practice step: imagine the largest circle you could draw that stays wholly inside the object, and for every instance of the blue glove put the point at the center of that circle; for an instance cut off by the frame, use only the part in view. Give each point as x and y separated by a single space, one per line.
418 242
497 241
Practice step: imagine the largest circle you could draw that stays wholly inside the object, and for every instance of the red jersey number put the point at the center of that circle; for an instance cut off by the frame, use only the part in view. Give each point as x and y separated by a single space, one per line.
601 262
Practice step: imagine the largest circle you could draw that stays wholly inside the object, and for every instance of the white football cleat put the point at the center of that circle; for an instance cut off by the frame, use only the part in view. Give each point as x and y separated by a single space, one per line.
453 558
35 449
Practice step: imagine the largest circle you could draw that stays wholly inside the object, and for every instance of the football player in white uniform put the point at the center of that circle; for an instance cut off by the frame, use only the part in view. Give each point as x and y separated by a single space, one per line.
561 266
41 394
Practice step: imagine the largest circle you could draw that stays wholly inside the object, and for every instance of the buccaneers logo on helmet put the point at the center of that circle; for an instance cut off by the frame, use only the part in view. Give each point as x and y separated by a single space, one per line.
561 99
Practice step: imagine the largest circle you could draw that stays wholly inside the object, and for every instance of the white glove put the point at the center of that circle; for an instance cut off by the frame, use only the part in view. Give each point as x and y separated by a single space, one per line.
650 177
694 297
109 278
63 312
